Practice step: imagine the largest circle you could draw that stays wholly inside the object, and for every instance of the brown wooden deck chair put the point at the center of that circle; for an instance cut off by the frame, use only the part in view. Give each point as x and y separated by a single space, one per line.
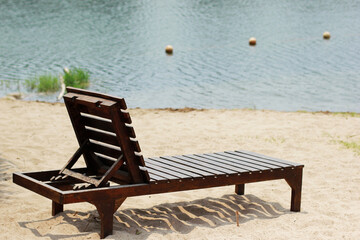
115 169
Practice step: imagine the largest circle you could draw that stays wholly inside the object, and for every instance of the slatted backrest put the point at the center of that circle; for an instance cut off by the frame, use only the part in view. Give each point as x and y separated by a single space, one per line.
104 122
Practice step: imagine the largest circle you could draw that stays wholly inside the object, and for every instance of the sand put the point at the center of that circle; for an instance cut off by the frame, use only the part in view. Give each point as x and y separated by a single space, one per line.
38 136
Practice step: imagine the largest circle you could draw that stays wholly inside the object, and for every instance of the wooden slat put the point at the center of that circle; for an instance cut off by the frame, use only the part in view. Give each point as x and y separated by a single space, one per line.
166 170
259 160
102 124
89 103
135 145
207 163
181 165
95 94
105 150
67 181
93 102
80 176
130 131
139 159
231 162
258 164
44 175
166 166
93 111
161 174
105 160
271 158
144 173
243 163
155 177
102 137
125 117
219 162
201 165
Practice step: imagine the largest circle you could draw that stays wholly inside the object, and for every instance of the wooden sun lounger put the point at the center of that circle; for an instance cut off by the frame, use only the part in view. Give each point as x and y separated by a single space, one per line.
115 169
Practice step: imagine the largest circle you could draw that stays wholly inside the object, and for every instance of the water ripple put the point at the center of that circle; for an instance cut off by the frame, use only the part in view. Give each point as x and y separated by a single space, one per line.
122 44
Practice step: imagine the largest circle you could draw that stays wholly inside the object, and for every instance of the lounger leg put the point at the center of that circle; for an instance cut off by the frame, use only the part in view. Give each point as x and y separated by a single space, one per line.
106 211
240 189
57 208
295 182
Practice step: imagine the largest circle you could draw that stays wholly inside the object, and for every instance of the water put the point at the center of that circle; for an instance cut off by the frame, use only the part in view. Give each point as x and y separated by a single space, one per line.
122 44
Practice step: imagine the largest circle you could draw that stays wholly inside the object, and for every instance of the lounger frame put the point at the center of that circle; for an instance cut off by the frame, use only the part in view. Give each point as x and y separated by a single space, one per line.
115 168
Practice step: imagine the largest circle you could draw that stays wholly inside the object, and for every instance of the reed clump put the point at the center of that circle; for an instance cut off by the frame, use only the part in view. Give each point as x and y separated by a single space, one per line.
43 83
48 83
76 77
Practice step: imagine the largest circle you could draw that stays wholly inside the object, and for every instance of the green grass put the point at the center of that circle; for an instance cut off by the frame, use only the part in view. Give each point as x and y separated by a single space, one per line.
43 83
31 84
48 83
351 145
77 77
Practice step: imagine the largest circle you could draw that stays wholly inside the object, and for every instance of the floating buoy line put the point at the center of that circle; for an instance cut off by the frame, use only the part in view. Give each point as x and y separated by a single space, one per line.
169 50
252 42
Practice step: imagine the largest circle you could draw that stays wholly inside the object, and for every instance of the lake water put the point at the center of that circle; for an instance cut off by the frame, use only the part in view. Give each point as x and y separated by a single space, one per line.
122 45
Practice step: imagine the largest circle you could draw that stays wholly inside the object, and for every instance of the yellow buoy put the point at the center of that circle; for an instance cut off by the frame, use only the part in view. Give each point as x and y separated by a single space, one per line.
252 41
169 49
326 35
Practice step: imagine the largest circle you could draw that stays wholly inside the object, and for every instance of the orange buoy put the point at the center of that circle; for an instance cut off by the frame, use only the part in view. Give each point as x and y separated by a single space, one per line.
326 35
252 41
169 49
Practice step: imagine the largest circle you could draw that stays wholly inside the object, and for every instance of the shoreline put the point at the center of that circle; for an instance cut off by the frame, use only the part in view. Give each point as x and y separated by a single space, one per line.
190 109
38 136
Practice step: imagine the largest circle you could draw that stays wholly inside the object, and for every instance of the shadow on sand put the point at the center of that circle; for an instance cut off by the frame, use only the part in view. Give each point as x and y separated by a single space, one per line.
180 217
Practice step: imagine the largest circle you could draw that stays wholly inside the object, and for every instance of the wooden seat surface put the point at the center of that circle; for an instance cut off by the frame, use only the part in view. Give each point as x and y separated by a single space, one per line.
192 166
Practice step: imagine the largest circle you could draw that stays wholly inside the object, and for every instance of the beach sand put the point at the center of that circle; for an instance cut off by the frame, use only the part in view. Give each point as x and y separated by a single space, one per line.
38 136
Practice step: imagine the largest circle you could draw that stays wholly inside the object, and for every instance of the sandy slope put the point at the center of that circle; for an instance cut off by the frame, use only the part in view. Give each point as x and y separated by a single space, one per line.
38 136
